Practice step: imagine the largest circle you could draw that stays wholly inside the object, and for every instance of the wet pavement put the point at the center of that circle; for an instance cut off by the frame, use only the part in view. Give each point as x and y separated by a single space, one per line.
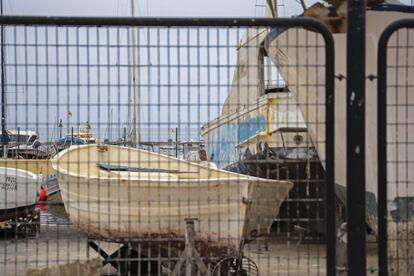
53 214
59 242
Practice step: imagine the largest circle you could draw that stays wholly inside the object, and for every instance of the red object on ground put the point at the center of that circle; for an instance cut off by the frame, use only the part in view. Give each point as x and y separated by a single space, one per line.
42 194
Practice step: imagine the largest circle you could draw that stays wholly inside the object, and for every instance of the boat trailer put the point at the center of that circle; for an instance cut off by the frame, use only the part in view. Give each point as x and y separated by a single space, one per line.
189 263
26 223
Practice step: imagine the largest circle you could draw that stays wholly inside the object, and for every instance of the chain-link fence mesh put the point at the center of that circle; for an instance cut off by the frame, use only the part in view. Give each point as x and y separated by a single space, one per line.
163 148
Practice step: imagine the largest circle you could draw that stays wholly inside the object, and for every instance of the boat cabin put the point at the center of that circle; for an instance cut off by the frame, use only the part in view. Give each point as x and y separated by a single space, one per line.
22 137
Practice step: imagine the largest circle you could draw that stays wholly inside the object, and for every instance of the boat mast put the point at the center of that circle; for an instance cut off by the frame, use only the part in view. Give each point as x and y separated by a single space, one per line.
4 137
135 131
272 8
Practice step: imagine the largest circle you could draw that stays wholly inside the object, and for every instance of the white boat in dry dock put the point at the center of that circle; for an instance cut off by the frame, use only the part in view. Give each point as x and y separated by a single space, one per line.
301 66
131 195
18 193
298 67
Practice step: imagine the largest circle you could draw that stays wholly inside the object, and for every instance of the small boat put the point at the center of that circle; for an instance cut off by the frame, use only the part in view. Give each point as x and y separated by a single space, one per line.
50 191
18 193
83 136
26 144
132 195
22 137
32 151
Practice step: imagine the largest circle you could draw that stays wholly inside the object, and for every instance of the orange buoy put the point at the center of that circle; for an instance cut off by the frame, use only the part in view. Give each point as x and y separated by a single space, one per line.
42 194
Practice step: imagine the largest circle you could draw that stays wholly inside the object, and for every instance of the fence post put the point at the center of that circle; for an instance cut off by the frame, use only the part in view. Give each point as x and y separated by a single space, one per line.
355 129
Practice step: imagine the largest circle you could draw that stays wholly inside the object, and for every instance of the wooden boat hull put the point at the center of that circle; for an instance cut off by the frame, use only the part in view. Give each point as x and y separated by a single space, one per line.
151 208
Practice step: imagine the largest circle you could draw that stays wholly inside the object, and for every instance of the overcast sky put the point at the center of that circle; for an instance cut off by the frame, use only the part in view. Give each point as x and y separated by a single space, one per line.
52 80
37 95
234 8
189 8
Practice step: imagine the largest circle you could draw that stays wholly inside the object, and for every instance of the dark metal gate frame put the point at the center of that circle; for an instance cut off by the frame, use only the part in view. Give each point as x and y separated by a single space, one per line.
382 140
307 23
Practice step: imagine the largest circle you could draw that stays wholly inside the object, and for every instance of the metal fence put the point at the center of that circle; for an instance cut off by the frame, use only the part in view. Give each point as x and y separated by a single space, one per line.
119 107
395 148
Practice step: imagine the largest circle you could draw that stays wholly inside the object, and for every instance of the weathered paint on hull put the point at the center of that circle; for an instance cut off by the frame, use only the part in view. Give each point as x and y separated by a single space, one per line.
128 208
254 151
228 136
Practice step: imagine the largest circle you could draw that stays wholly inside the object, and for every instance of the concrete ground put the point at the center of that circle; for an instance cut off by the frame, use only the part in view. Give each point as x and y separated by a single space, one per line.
60 244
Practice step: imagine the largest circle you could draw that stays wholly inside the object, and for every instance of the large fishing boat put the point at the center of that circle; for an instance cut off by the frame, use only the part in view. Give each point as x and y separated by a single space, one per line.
297 73
262 132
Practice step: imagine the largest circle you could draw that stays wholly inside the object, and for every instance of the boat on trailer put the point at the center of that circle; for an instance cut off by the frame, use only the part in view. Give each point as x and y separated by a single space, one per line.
18 194
130 195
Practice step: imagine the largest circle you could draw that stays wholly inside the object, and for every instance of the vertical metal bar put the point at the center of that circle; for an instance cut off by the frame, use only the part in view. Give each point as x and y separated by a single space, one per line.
124 136
189 244
3 92
60 128
176 142
135 76
355 167
330 155
382 156
18 140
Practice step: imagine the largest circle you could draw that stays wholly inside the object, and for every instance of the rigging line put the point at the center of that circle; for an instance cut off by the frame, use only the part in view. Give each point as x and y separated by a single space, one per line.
3 96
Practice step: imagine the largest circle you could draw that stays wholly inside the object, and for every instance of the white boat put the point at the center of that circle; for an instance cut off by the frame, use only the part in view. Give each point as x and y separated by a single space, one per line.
301 67
18 193
26 144
131 195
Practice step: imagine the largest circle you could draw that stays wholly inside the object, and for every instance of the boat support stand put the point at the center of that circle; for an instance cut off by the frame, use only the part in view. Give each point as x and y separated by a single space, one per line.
125 260
190 257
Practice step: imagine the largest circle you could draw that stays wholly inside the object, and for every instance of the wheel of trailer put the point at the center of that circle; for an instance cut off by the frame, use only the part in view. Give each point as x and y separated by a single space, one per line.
232 266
